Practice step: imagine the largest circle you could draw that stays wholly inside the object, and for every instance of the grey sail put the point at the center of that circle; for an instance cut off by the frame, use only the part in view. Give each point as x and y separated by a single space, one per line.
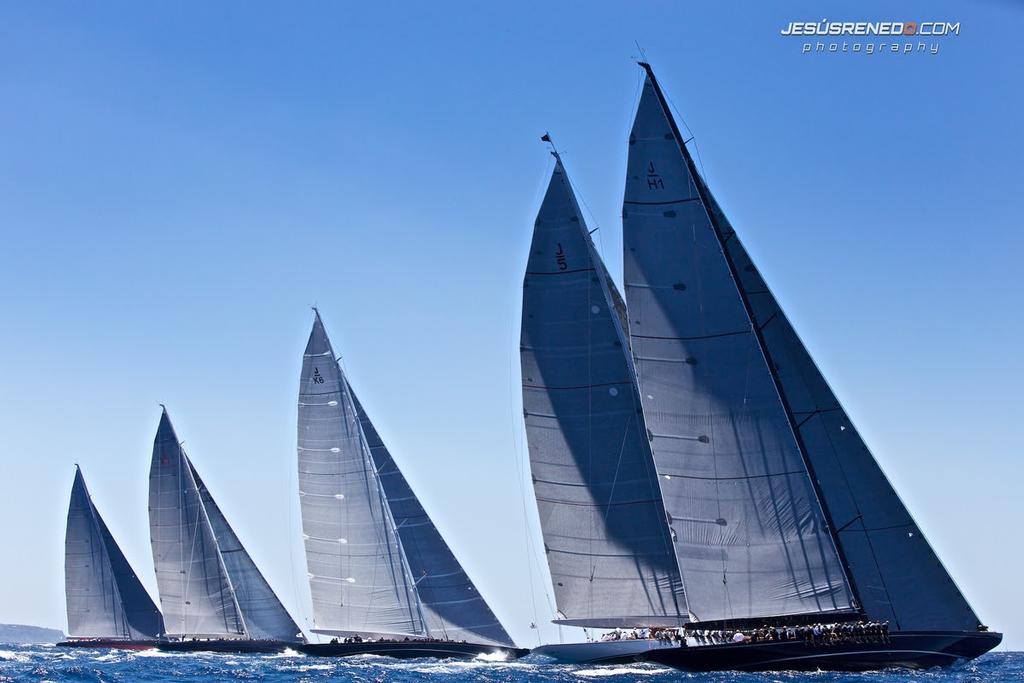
264 616
105 599
601 512
896 574
451 606
750 535
358 578
195 589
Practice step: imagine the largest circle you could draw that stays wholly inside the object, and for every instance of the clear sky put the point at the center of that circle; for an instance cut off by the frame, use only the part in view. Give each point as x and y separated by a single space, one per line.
180 181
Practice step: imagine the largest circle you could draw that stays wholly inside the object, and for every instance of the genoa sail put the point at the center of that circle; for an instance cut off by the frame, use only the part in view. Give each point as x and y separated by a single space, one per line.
894 572
451 605
105 598
358 578
264 616
750 535
601 512
195 589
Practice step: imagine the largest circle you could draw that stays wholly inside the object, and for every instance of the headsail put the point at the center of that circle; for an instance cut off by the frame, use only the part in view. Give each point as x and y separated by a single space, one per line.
451 606
358 577
601 511
751 538
195 589
895 572
105 599
264 616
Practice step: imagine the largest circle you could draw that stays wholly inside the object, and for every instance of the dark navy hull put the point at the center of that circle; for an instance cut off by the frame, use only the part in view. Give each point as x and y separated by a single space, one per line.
413 649
110 644
914 650
234 646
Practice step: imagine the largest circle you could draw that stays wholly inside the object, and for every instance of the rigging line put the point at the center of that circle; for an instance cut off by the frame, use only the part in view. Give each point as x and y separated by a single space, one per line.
692 138
517 455
293 486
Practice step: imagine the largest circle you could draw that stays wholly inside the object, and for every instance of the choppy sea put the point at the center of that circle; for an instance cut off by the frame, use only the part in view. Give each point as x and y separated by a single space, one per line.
47 663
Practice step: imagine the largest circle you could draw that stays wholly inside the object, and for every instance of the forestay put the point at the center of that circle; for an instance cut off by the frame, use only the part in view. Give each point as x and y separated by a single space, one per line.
750 535
264 616
105 599
195 590
452 608
358 579
601 512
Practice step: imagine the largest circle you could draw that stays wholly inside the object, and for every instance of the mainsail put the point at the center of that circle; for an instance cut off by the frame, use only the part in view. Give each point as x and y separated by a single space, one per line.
209 586
377 563
716 355
105 599
357 575
751 539
601 512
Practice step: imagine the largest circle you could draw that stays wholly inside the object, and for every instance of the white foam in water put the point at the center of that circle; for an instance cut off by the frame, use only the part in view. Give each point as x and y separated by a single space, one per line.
492 656
618 671
11 656
154 653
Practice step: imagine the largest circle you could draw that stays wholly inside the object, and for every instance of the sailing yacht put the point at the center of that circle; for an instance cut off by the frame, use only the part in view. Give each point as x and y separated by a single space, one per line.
213 596
382 579
788 547
108 606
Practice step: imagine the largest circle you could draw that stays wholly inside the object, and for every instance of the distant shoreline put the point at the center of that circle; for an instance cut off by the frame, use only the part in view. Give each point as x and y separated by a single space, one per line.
21 634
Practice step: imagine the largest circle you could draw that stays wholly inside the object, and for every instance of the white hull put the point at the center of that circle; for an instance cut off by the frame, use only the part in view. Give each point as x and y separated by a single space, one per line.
608 652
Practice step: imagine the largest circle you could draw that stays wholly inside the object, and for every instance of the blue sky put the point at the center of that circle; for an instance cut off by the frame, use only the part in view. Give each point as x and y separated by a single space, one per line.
179 182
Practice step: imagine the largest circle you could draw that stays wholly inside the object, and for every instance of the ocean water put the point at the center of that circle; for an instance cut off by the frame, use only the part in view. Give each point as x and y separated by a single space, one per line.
47 663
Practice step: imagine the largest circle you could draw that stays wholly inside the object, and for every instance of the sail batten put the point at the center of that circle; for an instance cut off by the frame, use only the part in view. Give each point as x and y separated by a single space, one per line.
105 598
751 537
594 478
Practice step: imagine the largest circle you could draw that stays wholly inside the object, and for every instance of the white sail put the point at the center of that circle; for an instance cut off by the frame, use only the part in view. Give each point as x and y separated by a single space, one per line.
358 577
195 589
105 599
601 512
750 536
450 603
264 616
